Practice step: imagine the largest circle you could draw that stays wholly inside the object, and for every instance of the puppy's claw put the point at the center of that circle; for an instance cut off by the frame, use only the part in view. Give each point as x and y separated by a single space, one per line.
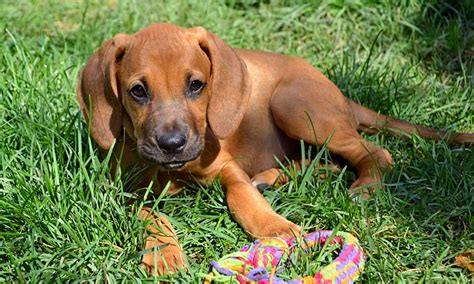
263 186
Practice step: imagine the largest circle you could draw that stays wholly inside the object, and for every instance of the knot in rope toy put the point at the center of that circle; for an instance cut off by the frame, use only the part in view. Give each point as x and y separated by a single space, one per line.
258 263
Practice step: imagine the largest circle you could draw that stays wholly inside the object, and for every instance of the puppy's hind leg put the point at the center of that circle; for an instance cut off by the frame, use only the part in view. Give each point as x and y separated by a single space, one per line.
315 110
268 178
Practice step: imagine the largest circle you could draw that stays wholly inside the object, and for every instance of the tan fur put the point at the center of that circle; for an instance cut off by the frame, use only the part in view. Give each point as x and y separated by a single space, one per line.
255 106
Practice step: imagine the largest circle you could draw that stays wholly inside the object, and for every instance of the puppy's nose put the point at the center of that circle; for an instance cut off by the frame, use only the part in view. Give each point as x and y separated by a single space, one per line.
172 142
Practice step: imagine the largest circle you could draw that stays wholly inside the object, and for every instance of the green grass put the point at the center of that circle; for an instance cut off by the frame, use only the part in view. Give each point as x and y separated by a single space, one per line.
64 218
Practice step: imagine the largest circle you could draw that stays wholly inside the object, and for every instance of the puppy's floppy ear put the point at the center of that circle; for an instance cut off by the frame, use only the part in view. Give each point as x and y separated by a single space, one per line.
230 84
98 85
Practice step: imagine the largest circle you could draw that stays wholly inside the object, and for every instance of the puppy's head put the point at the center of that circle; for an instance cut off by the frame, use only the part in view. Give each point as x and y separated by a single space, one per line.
165 85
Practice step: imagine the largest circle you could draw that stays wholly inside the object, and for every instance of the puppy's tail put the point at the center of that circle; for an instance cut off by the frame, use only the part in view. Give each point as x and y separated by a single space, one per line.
373 122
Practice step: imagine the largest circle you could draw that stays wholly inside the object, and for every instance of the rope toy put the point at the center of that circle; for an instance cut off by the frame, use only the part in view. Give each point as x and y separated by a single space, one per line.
258 263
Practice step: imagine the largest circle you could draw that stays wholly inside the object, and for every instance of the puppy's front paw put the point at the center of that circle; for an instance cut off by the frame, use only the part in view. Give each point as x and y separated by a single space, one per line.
163 253
275 226
165 258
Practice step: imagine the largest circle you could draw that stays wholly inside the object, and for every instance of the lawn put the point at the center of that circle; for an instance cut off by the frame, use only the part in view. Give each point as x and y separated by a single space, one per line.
63 217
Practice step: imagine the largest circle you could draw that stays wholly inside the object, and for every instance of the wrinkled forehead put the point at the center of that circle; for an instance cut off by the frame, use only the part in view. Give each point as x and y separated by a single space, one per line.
161 53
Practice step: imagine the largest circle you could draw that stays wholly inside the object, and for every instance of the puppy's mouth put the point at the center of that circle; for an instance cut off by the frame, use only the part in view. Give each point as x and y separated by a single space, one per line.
173 165
153 156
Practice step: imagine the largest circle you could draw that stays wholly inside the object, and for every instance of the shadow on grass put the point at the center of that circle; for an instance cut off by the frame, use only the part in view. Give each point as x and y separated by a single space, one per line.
445 35
432 186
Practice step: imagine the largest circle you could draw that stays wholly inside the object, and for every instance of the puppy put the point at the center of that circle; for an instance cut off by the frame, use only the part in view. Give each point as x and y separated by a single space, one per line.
183 105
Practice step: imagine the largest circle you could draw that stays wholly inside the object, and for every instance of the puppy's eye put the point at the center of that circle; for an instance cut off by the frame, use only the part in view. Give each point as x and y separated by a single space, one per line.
195 86
138 93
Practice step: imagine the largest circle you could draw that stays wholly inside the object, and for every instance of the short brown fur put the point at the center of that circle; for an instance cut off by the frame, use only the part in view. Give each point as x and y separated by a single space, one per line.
254 106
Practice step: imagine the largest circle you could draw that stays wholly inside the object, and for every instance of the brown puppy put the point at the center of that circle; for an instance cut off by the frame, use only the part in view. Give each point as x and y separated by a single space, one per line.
194 108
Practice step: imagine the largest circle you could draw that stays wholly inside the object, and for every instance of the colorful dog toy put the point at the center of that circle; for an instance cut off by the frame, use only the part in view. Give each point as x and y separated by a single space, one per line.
258 263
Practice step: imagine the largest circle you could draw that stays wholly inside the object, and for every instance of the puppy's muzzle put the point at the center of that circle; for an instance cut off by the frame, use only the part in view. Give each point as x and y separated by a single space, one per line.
172 143
170 149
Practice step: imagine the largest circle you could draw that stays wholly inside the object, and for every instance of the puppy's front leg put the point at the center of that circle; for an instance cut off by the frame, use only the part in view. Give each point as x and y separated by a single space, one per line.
250 209
166 255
